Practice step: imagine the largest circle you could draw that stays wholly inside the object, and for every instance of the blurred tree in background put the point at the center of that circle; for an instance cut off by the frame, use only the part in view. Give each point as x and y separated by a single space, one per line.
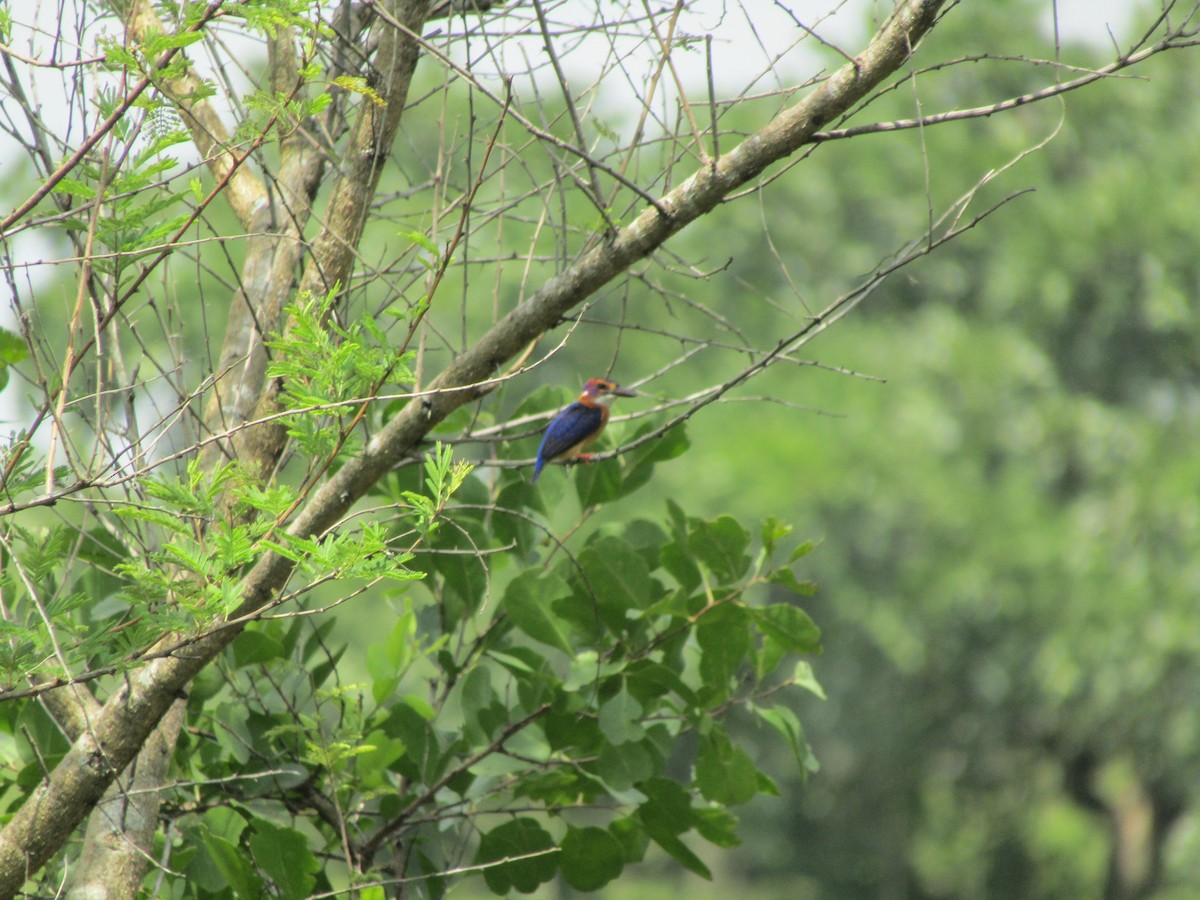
246 551
1008 557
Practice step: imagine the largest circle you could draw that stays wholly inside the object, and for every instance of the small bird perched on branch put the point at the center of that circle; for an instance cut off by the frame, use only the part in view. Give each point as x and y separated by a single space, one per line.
576 428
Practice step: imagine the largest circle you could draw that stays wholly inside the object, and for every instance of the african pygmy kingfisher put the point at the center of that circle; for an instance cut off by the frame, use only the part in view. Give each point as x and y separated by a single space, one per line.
577 426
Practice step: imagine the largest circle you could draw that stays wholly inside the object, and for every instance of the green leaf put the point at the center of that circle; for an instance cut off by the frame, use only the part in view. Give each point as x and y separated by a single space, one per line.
421 747
787 578
253 647
75 188
12 348
801 551
667 813
724 638
477 698
789 626
621 767
528 599
284 855
620 718
158 42
682 854
388 661
721 545
421 706
772 530
724 773
649 681
223 865
667 808
591 857
631 835
615 577
717 826
804 677
359 86
523 842
379 752
788 724
597 483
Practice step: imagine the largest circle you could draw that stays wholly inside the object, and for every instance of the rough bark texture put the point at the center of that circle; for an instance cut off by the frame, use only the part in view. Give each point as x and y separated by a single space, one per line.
118 732
120 834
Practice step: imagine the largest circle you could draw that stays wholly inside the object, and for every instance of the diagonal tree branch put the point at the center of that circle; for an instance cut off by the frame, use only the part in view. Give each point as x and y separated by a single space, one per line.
120 730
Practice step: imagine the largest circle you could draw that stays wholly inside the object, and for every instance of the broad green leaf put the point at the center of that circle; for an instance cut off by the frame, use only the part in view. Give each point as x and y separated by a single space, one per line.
554 787
788 724
790 626
379 753
253 647
384 678
801 551
614 577
401 641
717 826
224 822
772 530
510 527
12 348
567 731
787 578
724 773
667 813
676 557
587 669
284 855
720 544
223 865
679 563
724 638
622 767
477 697
631 835
523 842
421 706
649 681
682 854
528 599
667 808
412 729
621 718
597 483
591 857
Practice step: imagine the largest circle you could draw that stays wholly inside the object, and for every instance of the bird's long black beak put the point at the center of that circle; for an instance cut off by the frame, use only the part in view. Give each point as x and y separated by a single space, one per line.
624 392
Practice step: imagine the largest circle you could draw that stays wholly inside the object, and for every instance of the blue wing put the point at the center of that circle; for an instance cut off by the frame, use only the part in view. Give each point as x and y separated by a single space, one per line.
569 428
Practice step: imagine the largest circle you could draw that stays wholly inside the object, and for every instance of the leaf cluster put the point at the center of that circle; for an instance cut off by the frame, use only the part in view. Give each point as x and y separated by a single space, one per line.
564 725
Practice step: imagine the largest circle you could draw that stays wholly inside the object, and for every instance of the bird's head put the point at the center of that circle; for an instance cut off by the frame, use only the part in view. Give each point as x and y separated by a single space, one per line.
602 392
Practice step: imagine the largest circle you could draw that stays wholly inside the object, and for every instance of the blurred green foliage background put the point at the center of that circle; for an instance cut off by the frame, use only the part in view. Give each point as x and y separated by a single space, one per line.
1007 524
